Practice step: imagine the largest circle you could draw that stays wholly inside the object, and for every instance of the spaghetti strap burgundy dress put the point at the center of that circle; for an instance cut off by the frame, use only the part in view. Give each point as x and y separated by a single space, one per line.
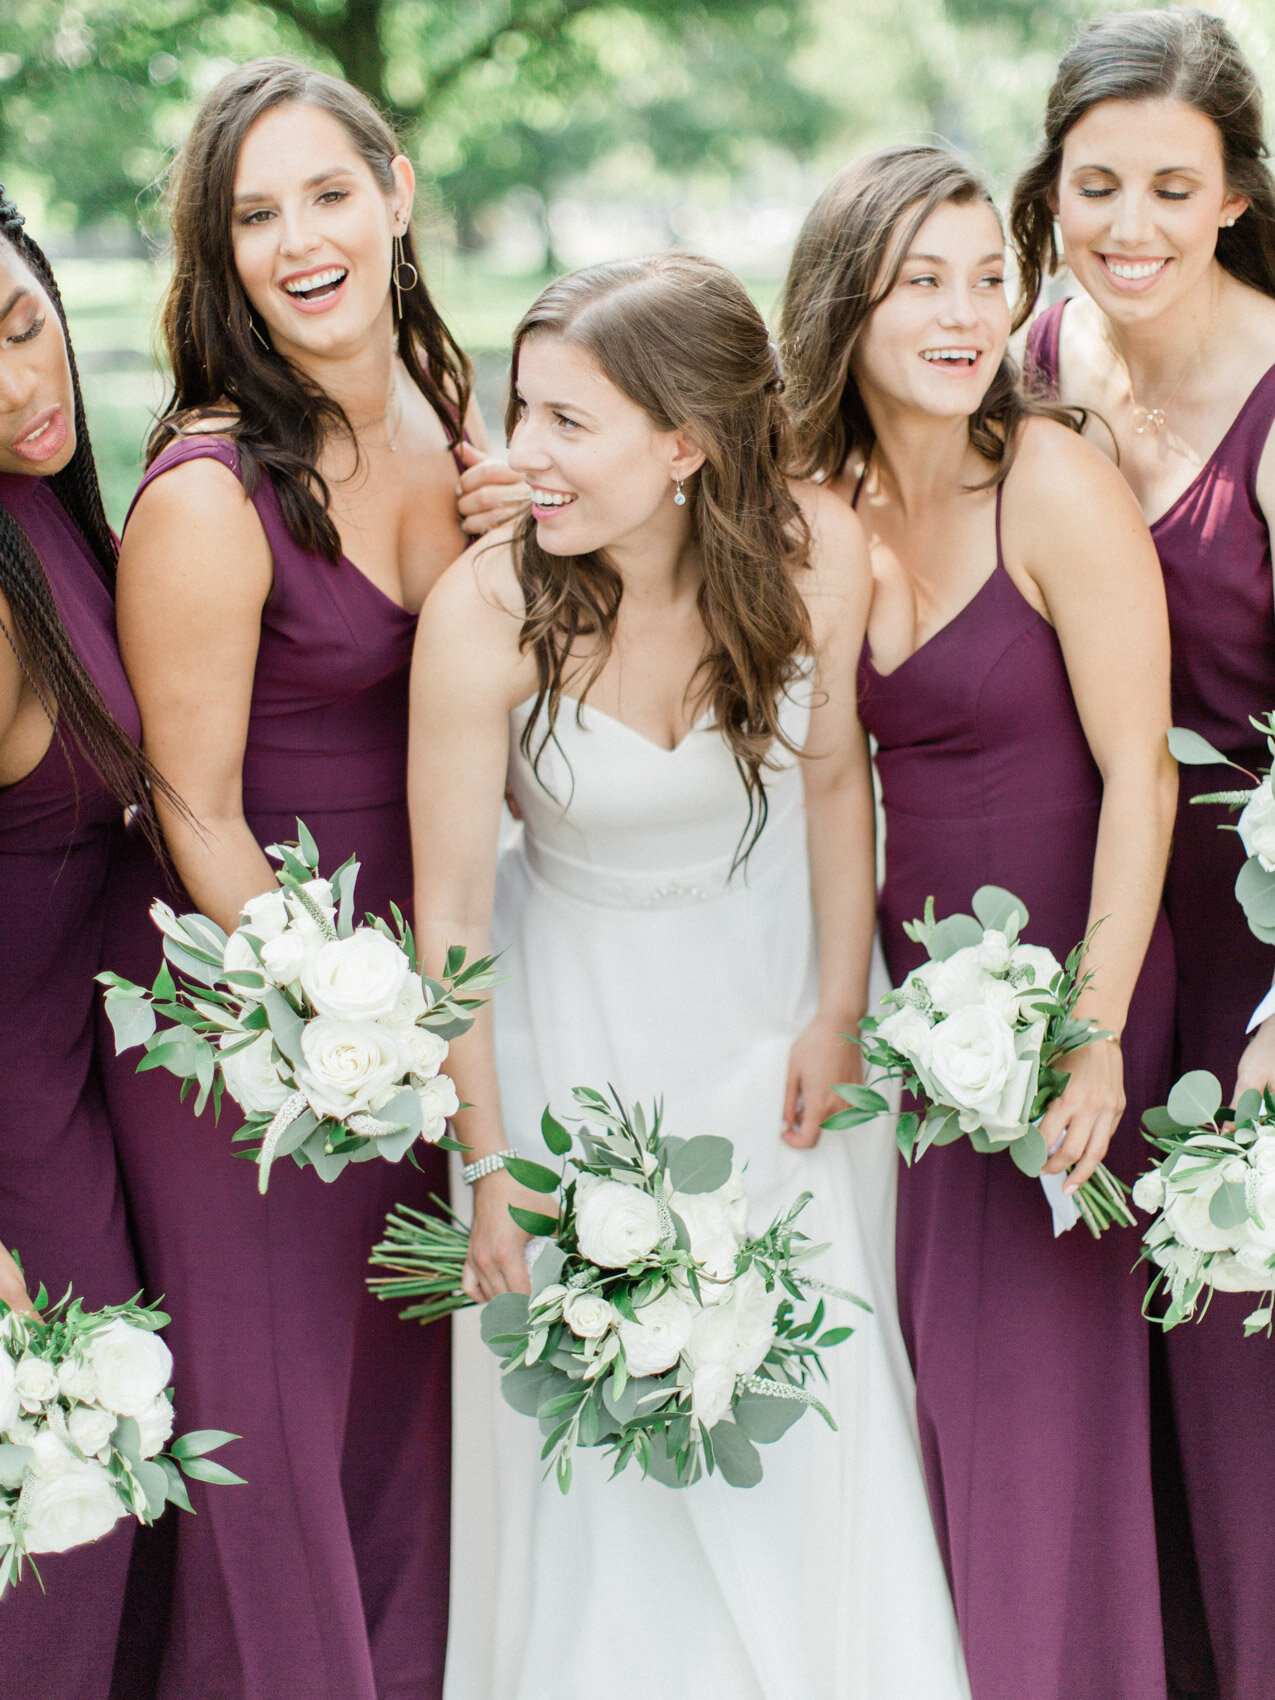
1030 1352
1215 549
325 1577
61 1202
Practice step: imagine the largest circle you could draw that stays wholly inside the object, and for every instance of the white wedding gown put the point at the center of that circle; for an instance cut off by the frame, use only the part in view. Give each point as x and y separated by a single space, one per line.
636 960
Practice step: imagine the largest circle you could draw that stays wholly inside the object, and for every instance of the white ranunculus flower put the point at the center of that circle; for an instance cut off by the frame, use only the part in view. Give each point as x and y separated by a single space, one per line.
738 1333
1256 826
251 1076
69 1506
356 979
428 1052
77 1381
971 1058
155 1424
714 1228
90 1427
993 953
588 1315
284 958
1000 996
712 1390
1148 1191
266 916
1043 963
654 1342
410 1006
438 1101
10 1406
909 1032
616 1224
348 1064
37 1381
1186 1211
956 981
132 1366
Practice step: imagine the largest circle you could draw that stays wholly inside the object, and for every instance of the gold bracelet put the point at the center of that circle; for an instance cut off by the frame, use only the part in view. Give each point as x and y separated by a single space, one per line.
1096 1032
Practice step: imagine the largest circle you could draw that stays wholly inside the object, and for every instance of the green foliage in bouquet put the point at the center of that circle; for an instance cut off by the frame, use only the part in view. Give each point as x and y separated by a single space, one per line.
656 1327
1255 883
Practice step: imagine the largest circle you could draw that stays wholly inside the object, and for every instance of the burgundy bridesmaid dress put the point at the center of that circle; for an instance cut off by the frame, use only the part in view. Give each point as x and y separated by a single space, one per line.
326 1578
1215 550
61 1203
1030 1352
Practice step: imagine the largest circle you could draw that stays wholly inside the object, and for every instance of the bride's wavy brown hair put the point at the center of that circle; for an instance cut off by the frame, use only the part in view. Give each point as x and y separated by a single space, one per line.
847 259
679 336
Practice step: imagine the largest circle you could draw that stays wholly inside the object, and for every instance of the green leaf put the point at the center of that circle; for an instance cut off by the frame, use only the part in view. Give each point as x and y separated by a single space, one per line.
525 1390
176 1487
199 1441
702 1164
1196 1098
1191 750
547 1267
194 967
1250 1102
153 1481
533 1175
207 1470
505 1314
286 1025
554 1135
833 1337
132 1021
862 1098
128 1440
1228 1206
306 845
1255 890
765 1418
1029 1151
953 933
533 1223
1158 1121
735 1456
13 1463
624 1404
999 910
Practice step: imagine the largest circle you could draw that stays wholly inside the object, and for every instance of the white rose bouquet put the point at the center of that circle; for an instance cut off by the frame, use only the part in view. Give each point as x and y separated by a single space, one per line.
1255 883
657 1327
1213 1198
324 1032
972 1034
86 1423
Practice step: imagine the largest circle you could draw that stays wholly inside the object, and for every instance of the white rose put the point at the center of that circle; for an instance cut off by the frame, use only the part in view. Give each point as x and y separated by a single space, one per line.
588 1314
1256 826
283 959
712 1224
1043 963
438 1101
971 1058
22 1431
155 1425
410 1005
69 1508
37 1381
616 1224
909 1032
91 1428
712 1390
427 1051
737 1334
1186 1211
251 1077
10 1405
654 1342
132 1365
348 1064
266 916
355 979
993 953
956 981
76 1380
1148 1191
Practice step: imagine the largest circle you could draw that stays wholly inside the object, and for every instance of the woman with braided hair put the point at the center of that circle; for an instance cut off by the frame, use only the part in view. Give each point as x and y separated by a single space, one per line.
69 768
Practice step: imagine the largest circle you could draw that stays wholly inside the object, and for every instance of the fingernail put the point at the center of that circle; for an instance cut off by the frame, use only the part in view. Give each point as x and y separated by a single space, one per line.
1069 1189
459 491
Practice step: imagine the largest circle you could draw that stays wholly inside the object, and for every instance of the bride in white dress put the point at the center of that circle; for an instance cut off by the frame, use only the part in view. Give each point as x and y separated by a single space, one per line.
661 663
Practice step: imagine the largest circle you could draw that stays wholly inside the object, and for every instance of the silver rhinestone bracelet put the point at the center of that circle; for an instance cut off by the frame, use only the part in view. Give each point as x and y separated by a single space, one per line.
484 1166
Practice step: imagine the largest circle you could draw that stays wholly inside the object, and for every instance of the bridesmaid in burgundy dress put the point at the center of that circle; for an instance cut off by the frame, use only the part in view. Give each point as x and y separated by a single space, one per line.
69 766
313 427
1154 164
1015 679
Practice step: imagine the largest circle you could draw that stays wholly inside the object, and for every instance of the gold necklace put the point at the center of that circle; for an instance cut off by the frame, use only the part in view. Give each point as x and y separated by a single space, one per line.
391 442
1150 421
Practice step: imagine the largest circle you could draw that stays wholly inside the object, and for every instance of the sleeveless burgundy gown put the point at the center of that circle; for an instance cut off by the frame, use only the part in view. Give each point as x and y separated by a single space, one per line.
61 1203
1030 1352
327 1576
1215 550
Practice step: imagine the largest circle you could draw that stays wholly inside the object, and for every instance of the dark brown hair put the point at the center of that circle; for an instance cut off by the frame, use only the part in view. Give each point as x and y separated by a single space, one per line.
679 336
220 356
37 636
1178 54
846 261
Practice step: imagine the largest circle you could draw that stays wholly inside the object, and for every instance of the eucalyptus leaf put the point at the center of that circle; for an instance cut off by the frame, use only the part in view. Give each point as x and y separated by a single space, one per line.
393 1147
701 1165
132 1021
1029 1151
1248 1105
505 1314
547 1267
1255 889
624 1405
1196 1098
13 1463
953 933
981 1142
327 1164
663 1468
735 1455
1191 750
286 1025
127 1440
153 1482
176 1487
1228 1207
526 1390
765 1418
999 910
1158 1121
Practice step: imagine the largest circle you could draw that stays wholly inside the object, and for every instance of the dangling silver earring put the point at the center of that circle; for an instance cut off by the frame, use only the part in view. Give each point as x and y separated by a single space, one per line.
679 497
402 265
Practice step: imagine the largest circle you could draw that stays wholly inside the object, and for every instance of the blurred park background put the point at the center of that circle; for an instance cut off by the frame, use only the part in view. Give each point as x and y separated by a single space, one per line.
547 134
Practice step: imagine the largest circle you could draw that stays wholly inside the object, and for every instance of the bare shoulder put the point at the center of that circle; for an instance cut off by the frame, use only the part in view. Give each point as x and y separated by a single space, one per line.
202 492
1057 473
838 549
472 619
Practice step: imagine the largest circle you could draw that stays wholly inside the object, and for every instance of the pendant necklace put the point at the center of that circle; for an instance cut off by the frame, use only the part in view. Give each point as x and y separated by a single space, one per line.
1150 421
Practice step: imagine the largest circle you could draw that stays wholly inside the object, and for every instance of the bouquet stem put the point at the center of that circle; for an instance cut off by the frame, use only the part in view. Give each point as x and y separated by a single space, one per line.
427 1254
1102 1204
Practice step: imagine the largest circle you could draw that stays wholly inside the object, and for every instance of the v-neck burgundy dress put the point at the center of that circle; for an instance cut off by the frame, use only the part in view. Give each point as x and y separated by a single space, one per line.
326 1577
61 1203
1030 1352
1215 549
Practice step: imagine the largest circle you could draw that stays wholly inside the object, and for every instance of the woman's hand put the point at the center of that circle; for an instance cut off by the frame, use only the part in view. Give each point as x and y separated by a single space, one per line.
496 1262
13 1289
1081 1122
489 493
1257 1065
821 1058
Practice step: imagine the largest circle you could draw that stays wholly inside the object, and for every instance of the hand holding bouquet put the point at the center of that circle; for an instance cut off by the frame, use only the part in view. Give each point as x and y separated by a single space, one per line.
322 1031
1213 1198
974 1033
86 1419
657 1327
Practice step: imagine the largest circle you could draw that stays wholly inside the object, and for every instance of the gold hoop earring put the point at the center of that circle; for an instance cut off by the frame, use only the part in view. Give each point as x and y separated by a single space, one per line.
401 266
252 325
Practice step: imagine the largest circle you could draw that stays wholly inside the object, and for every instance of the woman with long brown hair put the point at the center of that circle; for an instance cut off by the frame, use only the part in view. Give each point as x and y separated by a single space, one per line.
1153 173
661 657
1015 678
69 767
298 505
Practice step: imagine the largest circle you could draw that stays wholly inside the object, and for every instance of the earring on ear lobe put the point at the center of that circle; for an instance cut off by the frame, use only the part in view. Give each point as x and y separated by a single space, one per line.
1227 223
679 495
398 275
